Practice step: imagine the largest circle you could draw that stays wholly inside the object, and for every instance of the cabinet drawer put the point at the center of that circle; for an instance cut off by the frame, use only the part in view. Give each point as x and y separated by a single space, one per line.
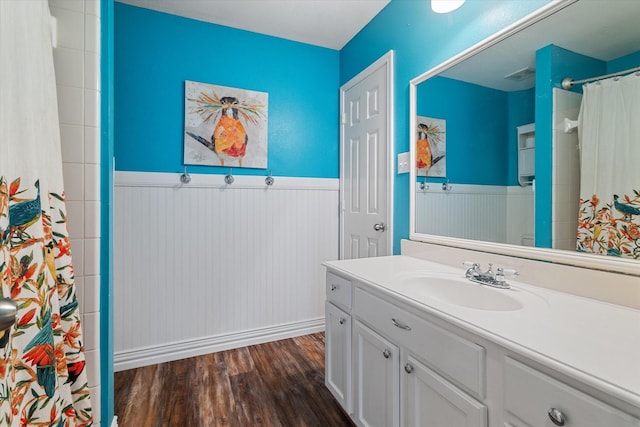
459 360
529 395
338 290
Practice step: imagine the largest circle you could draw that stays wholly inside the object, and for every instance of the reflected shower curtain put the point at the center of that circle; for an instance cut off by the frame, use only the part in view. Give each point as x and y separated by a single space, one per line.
42 368
609 132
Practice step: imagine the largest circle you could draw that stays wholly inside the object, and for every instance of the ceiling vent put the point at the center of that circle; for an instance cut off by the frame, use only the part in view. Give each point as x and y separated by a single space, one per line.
521 75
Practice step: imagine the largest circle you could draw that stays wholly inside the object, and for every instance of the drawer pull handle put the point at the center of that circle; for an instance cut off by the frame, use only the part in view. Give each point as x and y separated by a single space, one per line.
400 325
557 417
408 368
386 353
334 287
341 320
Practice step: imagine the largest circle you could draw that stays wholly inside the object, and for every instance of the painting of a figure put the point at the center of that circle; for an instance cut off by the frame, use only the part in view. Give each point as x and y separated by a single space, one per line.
225 126
431 147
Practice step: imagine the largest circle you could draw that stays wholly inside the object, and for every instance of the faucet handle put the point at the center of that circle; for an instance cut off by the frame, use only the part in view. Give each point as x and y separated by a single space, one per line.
473 270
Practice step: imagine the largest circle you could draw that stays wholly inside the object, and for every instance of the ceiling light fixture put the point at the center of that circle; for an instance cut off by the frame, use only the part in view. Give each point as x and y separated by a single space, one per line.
445 6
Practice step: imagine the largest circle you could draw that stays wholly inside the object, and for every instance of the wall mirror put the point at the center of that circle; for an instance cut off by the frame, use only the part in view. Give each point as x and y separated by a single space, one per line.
503 178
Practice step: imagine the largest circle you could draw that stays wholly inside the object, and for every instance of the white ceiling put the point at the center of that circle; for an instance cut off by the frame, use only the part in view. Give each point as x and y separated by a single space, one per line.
601 29
326 23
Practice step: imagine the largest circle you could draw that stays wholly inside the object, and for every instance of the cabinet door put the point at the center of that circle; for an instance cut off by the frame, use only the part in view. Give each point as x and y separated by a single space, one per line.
338 355
431 401
377 379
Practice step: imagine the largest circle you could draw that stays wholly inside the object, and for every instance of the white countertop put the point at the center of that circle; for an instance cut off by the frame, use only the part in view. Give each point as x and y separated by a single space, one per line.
594 342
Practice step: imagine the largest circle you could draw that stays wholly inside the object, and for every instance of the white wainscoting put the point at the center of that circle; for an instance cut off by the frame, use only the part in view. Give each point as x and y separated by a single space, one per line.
479 212
205 267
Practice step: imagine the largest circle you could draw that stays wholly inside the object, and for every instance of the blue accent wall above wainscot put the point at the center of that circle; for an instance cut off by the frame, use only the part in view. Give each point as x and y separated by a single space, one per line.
476 129
421 39
156 52
624 63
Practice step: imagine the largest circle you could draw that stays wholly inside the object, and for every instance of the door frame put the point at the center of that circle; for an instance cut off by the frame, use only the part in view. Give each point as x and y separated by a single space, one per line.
386 61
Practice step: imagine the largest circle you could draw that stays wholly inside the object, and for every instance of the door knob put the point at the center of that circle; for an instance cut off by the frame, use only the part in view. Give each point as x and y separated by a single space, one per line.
379 227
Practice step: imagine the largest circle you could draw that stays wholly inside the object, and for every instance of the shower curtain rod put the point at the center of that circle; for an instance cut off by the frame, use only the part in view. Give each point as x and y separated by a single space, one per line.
568 82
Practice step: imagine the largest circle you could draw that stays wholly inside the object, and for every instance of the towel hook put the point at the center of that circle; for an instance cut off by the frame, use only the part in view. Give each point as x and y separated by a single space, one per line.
446 186
423 184
269 180
185 178
228 179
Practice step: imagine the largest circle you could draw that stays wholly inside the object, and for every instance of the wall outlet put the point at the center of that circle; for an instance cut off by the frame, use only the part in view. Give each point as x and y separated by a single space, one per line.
403 162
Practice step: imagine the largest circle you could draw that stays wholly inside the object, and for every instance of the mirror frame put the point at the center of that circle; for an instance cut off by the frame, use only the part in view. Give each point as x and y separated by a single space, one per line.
578 259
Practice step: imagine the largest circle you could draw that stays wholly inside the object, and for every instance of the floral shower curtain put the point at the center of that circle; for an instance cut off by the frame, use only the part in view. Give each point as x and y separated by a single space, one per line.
42 368
609 132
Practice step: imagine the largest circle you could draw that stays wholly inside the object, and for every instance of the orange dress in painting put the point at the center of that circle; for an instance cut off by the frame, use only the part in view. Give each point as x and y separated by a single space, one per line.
423 153
229 139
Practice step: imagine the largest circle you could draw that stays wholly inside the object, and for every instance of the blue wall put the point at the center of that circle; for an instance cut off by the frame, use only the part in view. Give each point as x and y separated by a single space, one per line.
476 129
106 214
624 63
481 128
421 40
156 52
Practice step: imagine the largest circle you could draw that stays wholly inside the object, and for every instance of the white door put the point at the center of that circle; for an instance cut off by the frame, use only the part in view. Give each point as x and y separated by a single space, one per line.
377 379
366 164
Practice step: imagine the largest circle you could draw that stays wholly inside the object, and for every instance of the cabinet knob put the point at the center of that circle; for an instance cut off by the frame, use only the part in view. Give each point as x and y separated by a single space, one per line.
341 320
408 368
557 417
386 353
334 287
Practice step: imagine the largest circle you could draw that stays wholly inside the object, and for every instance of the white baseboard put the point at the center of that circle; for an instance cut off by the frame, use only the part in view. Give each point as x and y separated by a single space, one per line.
190 348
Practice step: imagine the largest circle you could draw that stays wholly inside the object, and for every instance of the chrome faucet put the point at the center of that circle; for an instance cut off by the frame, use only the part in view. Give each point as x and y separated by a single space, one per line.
496 280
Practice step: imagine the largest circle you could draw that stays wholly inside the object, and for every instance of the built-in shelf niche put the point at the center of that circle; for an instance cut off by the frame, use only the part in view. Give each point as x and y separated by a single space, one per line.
526 154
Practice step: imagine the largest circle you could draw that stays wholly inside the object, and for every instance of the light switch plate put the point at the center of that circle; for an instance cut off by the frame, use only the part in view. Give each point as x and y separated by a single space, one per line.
403 162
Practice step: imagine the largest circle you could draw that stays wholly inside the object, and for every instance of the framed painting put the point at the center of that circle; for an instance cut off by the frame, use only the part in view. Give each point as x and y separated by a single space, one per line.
225 126
431 147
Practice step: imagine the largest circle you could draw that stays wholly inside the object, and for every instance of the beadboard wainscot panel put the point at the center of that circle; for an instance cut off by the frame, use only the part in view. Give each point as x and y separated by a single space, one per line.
520 215
470 211
206 266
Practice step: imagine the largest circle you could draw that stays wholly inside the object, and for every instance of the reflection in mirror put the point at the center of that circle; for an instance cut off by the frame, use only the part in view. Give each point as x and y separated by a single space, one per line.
510 170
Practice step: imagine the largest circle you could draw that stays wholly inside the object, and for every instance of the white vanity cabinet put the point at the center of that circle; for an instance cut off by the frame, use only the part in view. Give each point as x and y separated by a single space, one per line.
396 357
393 360
338 333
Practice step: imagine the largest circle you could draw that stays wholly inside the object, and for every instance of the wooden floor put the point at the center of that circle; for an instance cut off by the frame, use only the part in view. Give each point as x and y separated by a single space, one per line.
275 384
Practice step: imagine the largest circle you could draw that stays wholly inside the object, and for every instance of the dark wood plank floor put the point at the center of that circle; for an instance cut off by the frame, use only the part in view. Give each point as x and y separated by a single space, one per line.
274 384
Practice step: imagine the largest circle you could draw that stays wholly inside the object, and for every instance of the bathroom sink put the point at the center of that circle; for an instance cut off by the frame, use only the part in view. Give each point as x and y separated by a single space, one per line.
458 291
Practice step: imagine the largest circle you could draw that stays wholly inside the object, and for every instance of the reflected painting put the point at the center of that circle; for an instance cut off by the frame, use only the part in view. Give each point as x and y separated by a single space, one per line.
431 147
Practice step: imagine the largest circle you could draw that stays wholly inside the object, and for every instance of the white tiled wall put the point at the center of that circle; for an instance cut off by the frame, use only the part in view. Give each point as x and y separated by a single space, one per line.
566 171
77 64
